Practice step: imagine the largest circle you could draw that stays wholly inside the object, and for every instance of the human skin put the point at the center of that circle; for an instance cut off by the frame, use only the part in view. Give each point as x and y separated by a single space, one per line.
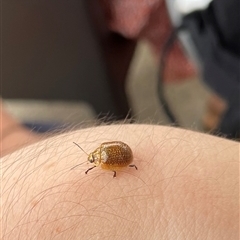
186 187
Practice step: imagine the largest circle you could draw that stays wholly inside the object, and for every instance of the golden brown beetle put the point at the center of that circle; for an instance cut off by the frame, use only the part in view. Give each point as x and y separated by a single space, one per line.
111 156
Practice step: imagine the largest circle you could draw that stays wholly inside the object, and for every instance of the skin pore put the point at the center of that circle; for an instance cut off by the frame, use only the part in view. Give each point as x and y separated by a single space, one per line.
186 187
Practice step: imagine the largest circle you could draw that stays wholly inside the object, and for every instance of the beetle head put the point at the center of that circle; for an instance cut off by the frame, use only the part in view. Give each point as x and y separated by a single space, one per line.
94 158
91 158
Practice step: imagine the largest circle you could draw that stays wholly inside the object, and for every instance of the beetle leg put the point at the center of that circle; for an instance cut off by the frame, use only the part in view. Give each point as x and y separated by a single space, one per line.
89 169
132 165
115 174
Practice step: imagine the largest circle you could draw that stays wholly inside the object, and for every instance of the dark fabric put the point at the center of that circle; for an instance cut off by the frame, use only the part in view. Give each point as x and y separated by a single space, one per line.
216 35
227 15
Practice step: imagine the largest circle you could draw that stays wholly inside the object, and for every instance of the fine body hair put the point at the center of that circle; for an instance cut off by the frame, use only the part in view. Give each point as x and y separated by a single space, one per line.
186 187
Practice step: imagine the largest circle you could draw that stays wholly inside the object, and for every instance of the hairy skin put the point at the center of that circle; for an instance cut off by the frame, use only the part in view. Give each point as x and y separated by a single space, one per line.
186 187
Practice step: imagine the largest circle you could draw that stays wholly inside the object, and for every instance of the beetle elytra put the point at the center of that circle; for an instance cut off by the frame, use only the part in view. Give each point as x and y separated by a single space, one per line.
110 156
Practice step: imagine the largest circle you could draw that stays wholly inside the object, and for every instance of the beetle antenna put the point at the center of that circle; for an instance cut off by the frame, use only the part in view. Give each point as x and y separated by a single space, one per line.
78 165
80 148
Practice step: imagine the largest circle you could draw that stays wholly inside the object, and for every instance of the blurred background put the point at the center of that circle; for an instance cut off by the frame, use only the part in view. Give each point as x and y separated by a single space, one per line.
70 63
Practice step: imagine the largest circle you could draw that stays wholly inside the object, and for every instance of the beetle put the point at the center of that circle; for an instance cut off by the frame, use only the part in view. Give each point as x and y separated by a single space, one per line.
110 156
